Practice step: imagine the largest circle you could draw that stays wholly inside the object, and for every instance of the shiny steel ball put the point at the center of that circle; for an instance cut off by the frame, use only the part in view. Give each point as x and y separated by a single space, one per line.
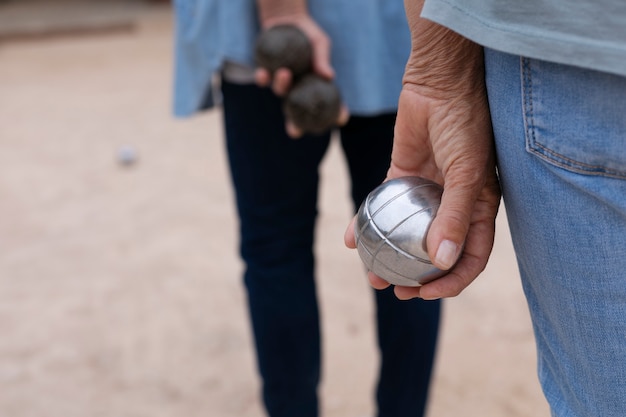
391 228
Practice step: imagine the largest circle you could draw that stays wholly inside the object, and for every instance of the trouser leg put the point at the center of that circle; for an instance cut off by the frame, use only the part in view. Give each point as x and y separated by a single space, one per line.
276 181
561 145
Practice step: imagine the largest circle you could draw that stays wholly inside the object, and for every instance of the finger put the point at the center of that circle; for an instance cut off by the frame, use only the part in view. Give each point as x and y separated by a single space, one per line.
282 81
451 285
262 77
448 231
321 59
344 116
348 236
377 282
406 293
293 131
475 254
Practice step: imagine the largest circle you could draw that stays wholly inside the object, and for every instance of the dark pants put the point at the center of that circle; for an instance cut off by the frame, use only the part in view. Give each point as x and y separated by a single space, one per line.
276 185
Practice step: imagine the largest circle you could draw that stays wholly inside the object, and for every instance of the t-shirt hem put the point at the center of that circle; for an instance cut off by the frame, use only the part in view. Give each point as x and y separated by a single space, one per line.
524 42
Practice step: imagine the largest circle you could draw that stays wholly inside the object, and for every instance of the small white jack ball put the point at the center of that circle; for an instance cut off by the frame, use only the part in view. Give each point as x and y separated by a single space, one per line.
391 228
127 155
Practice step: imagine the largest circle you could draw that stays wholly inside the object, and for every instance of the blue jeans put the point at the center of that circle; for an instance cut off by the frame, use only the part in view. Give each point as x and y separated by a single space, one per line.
276 186
561 147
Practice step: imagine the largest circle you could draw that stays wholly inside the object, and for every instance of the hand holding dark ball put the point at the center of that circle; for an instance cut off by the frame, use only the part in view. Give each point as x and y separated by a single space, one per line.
313 104
284 46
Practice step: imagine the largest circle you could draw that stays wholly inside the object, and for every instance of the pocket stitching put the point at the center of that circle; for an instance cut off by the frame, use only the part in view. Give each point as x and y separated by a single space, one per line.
549 155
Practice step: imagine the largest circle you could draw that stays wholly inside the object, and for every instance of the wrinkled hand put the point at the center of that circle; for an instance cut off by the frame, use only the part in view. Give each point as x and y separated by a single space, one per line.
443 132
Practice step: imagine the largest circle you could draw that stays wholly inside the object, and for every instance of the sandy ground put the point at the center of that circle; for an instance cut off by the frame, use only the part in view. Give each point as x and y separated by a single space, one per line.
120 292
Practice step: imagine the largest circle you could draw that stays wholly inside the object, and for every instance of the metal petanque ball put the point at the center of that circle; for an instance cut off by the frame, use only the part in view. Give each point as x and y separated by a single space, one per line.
391 228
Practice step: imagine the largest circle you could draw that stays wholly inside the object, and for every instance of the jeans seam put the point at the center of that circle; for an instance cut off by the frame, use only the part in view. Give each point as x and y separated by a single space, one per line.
527 89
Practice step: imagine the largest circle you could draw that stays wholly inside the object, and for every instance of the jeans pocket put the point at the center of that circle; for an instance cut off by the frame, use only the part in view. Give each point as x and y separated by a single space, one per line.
575 118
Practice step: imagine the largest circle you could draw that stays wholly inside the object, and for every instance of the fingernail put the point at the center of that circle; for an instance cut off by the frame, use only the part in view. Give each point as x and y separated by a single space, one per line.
447 254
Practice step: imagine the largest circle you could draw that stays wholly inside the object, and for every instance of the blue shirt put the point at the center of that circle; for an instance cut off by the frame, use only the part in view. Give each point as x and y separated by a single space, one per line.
584 33
370 46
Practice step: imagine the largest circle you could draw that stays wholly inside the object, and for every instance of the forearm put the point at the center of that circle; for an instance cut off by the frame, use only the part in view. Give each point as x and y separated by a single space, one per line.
276 11
441 60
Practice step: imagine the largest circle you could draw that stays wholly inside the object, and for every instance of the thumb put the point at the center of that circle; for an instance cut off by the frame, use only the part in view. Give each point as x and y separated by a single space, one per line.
449 229
321 58
321 62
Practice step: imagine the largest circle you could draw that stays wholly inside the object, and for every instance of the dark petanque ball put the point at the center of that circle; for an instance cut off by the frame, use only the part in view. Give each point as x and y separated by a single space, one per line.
313 104
284 46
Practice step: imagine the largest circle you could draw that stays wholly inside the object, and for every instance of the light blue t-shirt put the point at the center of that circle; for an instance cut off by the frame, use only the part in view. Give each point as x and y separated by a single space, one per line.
370 46
584 33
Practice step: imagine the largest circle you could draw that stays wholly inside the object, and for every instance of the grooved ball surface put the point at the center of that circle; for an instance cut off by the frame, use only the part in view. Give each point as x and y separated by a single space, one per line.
391 228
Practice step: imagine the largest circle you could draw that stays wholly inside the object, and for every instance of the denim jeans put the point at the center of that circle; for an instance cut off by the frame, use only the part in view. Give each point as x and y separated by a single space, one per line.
276 187
561 147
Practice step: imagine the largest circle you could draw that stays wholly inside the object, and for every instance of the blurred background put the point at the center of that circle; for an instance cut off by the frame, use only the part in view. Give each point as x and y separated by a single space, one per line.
120 290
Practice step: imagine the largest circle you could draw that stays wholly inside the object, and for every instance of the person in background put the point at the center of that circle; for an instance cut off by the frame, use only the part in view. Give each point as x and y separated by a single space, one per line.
547 80
364 50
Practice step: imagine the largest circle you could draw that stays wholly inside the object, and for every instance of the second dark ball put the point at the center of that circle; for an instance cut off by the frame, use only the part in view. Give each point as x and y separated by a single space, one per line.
313 104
